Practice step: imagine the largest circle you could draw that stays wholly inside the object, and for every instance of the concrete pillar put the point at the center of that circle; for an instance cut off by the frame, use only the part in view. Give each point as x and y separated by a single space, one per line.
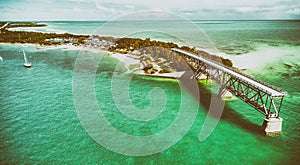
224 93
202 77
272 126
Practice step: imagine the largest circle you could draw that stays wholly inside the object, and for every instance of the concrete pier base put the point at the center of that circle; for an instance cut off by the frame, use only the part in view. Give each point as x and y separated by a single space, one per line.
272 126
202 77
224 93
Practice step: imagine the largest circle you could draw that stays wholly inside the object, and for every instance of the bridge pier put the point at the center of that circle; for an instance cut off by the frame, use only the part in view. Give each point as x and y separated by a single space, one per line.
272 126
202 77
224 93
265 98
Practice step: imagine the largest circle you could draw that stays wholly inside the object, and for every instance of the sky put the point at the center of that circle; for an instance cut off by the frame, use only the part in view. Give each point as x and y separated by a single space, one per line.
50 10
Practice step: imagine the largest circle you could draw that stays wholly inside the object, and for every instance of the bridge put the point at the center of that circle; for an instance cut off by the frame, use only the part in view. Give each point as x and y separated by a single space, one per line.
263 97
2 27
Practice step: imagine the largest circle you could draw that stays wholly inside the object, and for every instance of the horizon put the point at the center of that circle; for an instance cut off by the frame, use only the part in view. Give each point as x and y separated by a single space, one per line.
147 20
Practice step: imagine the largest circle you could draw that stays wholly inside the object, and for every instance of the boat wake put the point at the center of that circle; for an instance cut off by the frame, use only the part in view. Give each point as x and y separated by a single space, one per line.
27 64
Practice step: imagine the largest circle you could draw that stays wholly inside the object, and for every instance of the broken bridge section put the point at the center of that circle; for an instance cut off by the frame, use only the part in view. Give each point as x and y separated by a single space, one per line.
264 97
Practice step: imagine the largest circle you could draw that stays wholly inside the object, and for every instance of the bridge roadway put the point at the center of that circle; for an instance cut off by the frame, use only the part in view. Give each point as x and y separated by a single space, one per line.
253 82
265 98
2 27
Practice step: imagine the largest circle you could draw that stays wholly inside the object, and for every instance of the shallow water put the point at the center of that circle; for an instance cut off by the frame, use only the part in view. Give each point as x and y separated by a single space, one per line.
39 123
230 37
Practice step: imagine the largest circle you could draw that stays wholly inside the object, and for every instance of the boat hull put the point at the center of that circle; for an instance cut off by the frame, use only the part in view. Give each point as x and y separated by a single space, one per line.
27 65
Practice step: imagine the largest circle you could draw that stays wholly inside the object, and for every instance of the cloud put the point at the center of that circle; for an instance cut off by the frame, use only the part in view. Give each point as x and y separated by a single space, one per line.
110 9
189 12
247 9
295 11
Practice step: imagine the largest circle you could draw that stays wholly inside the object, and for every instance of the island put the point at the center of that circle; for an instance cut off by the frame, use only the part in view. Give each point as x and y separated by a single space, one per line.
154 57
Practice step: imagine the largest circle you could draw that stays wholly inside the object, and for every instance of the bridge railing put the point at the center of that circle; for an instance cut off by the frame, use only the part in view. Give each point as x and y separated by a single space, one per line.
254 92
237 71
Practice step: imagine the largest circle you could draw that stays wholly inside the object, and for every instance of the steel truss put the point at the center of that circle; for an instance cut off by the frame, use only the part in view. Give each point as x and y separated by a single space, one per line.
260 99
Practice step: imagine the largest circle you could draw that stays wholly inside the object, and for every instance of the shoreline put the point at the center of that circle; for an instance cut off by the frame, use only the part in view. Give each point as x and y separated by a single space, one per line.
122 58
139 56
127 60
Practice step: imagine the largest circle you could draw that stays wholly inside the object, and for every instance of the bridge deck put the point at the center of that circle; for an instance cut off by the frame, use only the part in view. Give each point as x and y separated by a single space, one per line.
251 81
4 25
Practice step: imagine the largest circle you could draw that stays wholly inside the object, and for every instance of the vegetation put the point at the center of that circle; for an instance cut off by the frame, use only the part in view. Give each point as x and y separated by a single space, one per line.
40 38
158 49
2 23
148 50
24 24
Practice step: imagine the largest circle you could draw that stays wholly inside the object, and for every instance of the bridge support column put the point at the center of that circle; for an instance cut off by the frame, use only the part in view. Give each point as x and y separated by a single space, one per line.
202 77
224 93
272 126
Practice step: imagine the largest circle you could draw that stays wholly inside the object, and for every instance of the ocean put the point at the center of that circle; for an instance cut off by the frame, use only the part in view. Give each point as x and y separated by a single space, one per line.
39 122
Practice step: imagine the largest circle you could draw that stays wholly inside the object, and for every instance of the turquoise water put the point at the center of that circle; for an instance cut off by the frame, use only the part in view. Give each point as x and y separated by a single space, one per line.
231 37
39 123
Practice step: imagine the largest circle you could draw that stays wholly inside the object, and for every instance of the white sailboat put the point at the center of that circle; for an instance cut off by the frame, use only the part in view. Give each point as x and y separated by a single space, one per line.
26 63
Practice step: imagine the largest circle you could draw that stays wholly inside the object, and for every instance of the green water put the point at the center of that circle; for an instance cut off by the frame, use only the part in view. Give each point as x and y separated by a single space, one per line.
39 124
